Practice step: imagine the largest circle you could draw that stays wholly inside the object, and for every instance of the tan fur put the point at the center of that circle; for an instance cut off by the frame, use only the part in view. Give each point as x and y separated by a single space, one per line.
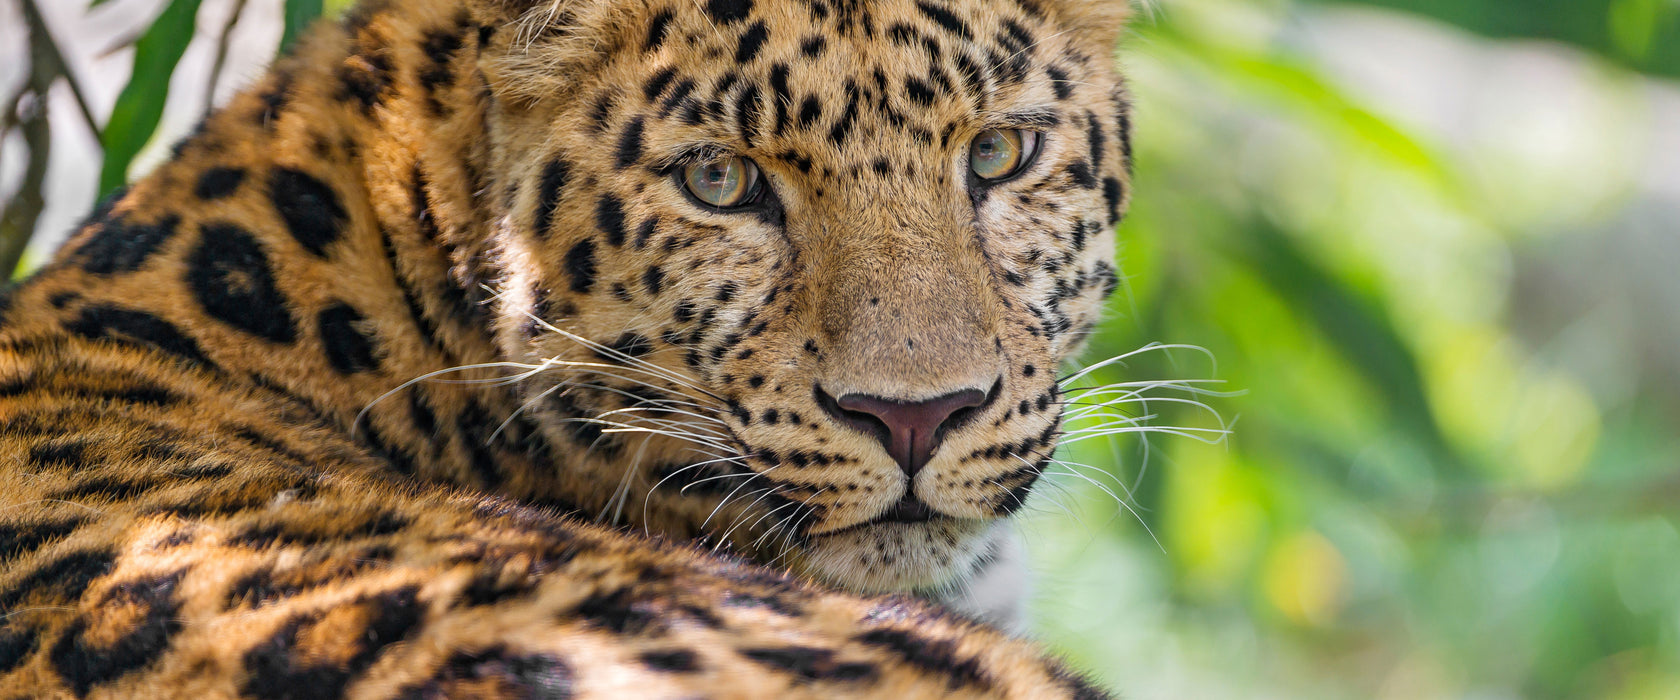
220 478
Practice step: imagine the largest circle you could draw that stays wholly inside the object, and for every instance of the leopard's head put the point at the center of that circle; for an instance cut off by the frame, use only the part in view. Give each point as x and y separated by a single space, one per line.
796 276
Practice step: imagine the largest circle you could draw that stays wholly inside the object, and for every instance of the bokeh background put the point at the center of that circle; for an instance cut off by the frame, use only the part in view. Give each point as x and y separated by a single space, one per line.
1426 251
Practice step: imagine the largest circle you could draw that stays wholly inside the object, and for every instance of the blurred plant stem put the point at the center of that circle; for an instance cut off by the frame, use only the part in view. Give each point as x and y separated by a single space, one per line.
27 112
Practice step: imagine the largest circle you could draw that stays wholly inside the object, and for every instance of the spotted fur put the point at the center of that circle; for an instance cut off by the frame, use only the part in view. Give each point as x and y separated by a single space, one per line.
220 480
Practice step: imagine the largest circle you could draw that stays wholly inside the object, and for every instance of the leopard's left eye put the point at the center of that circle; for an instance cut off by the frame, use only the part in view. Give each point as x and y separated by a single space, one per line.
999 154
724 184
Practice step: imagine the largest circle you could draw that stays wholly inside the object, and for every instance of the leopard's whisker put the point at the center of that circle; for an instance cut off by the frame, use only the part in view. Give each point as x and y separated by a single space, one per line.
1180 431
612 371
744 512
647 499
1121 358
362 415
622 494
782 523
628 360
1118 500
619 427
731 494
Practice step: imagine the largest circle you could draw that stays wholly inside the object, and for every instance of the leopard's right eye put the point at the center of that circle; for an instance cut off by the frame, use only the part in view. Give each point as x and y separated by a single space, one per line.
999 154
727 183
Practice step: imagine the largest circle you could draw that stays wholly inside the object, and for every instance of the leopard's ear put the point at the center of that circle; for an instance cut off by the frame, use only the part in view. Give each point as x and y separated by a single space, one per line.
541 46
1096 24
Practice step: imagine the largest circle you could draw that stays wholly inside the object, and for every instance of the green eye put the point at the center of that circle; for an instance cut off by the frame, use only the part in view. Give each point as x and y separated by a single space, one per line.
997 154
726 183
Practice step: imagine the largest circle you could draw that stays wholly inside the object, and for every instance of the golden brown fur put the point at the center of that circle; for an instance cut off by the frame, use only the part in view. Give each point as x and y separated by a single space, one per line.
219 477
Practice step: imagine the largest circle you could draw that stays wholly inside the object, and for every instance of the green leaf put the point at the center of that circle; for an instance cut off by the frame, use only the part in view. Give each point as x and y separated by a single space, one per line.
140 106
299 15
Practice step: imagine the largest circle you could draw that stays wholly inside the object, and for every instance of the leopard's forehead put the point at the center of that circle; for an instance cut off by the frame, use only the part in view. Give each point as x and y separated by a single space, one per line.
836 91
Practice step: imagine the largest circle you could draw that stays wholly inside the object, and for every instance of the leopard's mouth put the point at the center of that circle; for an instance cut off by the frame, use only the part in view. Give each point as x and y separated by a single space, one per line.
894 553
907 511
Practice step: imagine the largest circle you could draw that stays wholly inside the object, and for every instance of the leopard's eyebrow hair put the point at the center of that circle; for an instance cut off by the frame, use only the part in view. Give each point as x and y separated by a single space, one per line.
694 153
1025 118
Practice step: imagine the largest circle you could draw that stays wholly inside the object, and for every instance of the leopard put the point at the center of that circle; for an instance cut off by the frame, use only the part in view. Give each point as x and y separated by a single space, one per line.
572 349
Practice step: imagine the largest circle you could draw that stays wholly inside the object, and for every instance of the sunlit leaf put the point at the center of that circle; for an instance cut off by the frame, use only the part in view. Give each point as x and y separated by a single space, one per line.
299 15
140 106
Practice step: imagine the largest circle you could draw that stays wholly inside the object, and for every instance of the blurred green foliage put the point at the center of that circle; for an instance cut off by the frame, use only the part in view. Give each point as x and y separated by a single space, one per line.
1417 500
1418 496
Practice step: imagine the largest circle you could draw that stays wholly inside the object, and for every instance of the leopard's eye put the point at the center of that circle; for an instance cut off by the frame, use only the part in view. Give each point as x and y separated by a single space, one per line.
998 154
724 183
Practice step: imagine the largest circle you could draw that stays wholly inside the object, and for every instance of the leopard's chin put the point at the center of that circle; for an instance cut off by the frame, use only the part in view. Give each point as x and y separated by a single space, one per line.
924 557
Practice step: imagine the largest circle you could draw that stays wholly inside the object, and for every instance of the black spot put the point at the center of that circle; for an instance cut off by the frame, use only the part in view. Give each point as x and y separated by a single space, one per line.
657 28
645 231
609 216
1059 82
1097 138
655 86
554 177
751 42
65 578
843 126
1078 687
217 183
1080 171
632 344
678 94
674 661
365 78
811 663
1113 194
945 19
311 209
729 11
616 612
231 278
85 663
781 95
813 46
809 112
919 92
275 669
536 677
1124 133
16 644
440 46
136 328
654 280
580 266
22 538
104 489
600 115
630 144
349 349
122 247
56 455
747 108
932 655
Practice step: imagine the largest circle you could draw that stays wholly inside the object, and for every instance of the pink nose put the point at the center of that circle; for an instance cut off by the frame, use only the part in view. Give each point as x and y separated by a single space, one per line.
910 430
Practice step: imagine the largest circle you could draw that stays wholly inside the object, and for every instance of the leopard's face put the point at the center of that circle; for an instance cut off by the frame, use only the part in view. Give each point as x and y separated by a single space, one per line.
798 274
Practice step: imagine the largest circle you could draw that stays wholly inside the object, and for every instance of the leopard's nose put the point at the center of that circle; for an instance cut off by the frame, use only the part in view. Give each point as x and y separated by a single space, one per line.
910 429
